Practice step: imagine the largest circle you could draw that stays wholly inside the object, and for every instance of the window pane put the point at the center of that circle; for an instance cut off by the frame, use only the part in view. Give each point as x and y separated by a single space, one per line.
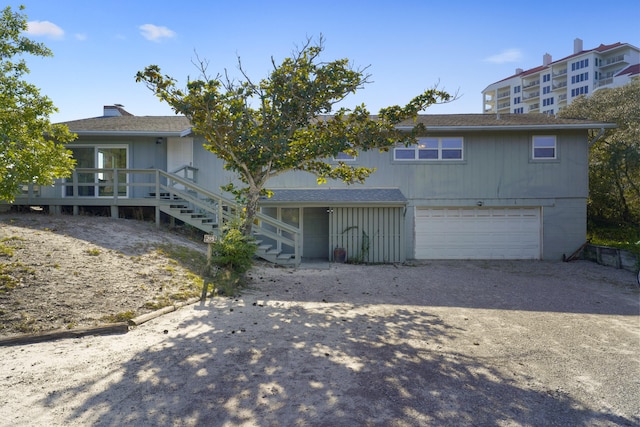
405 153
344 156
85 158
428 143
544 141
452 143
428 154
544 153
452 154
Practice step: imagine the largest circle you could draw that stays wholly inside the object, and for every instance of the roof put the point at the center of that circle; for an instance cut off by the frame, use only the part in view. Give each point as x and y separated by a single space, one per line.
180 126
599 49
500 122
130 125
337 196
631 70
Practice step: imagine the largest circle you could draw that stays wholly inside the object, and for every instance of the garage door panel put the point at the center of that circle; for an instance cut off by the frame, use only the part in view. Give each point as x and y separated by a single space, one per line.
477 233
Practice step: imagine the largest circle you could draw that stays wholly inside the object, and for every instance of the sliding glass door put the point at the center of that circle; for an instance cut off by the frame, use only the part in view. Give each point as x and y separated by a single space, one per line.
101 183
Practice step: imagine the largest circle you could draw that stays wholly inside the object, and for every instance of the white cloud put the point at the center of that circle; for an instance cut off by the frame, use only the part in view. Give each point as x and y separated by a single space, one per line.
155 33
44 28
509 55
80 37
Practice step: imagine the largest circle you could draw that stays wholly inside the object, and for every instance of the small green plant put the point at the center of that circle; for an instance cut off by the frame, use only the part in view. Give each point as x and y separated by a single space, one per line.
124 316
6 251
93 252
233 251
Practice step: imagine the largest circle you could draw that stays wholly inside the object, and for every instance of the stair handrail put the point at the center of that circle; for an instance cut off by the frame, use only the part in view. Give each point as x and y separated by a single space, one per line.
224 201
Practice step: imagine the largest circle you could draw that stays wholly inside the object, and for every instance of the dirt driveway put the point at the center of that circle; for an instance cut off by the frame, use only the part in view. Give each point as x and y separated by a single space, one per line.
443 343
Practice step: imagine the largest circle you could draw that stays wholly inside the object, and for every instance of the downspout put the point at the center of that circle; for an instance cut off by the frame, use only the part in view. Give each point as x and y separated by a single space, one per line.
598 136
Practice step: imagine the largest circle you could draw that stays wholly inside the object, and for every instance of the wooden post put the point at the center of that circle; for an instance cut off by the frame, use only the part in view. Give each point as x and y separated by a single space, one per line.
209 239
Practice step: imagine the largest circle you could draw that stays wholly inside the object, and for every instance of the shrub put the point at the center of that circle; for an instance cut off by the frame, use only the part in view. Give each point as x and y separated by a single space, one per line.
233 251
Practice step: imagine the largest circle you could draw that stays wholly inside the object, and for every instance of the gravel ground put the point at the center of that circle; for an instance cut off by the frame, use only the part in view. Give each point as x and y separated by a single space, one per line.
481 343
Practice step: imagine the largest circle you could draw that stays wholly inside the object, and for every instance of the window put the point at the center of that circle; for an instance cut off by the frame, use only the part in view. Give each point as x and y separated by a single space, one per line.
344 157
431 149
516 89
546 78
100 182
544 147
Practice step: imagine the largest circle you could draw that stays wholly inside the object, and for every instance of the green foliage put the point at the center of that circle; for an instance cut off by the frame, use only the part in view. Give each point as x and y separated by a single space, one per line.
124 316
622 237
31 148
286 121
233 251
614 159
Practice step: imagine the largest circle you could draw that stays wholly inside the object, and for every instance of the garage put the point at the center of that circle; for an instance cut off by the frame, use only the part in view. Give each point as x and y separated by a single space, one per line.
478 233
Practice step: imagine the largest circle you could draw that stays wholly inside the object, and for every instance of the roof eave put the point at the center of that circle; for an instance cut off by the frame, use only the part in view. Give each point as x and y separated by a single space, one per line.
181 133
512 127
325 203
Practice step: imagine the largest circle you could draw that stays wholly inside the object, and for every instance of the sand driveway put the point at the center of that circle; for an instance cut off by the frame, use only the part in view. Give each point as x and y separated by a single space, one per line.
441 343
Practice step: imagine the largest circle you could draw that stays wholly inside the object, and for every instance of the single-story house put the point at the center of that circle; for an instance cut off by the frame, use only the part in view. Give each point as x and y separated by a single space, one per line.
474 186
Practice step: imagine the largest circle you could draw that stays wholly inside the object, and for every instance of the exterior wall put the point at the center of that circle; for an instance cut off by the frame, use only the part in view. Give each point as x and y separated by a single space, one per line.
564 227
371 234
497 170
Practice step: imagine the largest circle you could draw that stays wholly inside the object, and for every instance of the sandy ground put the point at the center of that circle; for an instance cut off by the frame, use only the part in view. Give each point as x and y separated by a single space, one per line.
441 343
71 272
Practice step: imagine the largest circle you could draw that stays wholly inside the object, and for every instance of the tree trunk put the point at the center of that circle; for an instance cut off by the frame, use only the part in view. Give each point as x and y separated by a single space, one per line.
251 208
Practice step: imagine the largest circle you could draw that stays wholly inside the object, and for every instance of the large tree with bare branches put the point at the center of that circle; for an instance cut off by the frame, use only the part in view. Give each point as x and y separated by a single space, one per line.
286 121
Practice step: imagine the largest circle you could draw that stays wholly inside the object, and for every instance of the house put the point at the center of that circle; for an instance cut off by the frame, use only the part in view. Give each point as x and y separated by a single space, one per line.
475 186
555 84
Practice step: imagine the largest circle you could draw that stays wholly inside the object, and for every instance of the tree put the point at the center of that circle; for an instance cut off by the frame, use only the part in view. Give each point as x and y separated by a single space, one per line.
614 158
284 122
31 148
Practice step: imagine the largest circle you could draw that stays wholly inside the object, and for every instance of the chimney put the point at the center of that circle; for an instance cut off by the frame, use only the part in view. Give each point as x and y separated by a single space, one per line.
546 59
116 110
519 70
577 46
111 111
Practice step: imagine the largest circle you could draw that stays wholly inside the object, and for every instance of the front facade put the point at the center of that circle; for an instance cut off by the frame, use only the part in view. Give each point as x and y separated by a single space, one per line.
474 186
555 84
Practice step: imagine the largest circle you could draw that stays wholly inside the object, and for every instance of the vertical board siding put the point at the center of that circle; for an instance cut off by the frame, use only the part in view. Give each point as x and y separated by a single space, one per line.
371 235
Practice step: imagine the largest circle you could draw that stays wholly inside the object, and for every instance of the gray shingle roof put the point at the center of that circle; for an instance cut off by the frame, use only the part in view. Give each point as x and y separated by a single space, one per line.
324 196
132 125
180 126
480 122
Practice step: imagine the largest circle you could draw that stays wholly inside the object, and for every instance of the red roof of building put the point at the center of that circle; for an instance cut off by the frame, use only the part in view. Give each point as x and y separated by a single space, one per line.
601 48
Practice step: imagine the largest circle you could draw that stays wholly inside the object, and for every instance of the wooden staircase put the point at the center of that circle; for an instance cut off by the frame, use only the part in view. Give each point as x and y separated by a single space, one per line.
182 199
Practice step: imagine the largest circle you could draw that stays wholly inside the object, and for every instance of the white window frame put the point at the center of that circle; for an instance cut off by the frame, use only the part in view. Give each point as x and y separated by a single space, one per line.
99 175
544 142
344 157
431 145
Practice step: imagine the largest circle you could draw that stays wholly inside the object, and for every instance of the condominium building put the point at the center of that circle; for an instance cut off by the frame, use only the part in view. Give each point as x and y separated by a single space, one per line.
555 84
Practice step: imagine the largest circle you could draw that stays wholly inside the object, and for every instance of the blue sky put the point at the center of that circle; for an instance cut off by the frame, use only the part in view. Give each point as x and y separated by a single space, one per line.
409 45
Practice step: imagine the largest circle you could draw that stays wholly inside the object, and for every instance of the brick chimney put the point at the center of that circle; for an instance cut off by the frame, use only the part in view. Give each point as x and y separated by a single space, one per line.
577 46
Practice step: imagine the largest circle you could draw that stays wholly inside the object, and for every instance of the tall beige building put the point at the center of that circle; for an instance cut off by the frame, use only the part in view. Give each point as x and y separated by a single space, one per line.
555 84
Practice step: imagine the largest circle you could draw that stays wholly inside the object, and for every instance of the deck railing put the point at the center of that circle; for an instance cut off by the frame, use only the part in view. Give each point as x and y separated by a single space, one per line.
152 187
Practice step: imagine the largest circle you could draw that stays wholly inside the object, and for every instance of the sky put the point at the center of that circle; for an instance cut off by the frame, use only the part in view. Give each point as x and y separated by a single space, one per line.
408 46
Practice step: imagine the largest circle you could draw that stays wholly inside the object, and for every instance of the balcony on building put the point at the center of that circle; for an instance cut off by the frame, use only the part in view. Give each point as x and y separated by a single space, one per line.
534 107
526 84
559 73
614 60
531 95
559 85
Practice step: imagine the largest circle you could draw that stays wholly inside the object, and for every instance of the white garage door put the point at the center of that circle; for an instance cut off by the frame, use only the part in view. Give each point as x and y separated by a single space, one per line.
477 233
